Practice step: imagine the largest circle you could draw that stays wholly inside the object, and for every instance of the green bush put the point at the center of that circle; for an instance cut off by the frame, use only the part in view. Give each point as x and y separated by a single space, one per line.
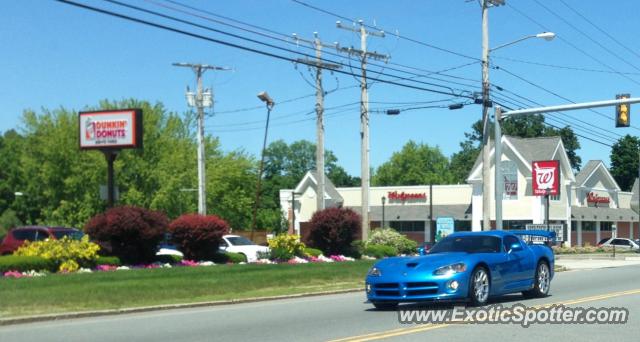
380 251
357 249
229 257
69 254
312 252
169 259
285 247
390 237
26 263
108 260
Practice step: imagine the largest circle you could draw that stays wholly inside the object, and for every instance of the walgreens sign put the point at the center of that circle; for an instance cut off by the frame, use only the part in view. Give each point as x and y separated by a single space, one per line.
111 129
406 196
546 177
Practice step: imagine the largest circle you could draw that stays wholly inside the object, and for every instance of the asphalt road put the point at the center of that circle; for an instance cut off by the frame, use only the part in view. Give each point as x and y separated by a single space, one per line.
346 317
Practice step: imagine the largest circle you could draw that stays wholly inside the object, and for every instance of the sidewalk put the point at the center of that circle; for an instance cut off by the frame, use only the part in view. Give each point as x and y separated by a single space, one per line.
595 261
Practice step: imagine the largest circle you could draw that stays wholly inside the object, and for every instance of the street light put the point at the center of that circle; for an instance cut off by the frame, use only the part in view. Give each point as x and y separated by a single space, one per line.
264 97
486 103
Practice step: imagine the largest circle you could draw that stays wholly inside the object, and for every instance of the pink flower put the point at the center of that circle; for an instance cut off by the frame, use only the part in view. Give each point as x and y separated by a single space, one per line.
13 274
106 268
189 263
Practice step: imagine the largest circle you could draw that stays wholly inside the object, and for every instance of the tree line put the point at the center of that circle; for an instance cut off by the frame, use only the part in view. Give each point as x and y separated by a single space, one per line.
46 179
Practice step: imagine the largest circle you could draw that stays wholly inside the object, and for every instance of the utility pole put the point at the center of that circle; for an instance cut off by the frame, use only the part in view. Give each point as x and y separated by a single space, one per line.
200 100
319 65
363 54
486 103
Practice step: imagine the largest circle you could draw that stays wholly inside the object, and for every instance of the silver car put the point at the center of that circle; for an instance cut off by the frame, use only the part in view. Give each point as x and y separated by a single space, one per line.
620 243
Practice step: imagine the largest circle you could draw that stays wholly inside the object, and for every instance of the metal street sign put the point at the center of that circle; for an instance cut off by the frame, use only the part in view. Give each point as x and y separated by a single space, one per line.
558 228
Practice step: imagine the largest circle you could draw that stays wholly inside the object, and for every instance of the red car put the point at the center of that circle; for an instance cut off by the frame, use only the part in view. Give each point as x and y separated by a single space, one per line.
17 236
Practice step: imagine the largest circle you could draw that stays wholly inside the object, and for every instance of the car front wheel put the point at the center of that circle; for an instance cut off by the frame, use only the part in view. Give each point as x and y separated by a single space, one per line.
479 287
541 282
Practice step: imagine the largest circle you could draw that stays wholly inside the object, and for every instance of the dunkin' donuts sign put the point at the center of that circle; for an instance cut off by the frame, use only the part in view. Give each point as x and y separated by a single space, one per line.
546 177
113 129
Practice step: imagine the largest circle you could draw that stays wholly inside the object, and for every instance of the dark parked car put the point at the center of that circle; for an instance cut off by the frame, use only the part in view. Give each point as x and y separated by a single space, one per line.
17 236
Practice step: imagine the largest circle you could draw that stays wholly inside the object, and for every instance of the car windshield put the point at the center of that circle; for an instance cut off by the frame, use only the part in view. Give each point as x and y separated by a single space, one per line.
467 244
239 241
72 234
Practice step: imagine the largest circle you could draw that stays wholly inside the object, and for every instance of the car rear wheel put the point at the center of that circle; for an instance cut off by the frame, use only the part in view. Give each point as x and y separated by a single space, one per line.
479 287
541 282
385 305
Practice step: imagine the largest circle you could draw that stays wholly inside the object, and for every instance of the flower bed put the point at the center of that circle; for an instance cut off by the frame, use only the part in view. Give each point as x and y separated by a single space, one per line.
183 263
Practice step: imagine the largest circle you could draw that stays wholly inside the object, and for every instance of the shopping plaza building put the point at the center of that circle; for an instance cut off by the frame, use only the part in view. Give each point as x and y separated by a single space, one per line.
590 205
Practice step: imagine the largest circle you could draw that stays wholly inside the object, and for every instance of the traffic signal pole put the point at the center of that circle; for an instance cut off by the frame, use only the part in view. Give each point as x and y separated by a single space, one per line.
500 115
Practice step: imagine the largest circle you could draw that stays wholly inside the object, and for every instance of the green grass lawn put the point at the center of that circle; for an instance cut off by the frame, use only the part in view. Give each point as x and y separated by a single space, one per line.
57 293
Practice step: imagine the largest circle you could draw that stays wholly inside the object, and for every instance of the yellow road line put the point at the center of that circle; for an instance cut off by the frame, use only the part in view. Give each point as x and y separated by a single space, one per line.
406 331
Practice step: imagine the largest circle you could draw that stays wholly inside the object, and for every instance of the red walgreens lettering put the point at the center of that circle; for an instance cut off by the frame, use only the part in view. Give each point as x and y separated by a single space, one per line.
403 196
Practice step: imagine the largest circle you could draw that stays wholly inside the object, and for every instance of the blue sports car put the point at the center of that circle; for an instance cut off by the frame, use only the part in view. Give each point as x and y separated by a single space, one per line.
469 266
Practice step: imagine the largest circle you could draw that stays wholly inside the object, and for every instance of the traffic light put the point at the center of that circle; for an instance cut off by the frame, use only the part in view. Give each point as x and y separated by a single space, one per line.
623 111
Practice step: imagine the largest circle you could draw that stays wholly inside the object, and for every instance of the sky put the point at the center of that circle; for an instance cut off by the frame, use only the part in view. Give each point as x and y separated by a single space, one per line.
59 56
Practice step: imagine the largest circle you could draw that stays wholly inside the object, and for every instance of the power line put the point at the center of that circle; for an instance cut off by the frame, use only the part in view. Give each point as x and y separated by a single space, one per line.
283 39
556 94
315 8
575 47
559 128
586 35
249 49
566 67
600 29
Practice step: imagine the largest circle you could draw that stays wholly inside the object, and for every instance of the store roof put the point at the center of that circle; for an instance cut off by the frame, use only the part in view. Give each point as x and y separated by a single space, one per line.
588 169
602 214
418 212
528 150
311 179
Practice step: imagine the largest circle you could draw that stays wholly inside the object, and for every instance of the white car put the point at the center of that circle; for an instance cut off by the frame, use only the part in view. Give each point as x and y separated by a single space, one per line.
242 245
620 243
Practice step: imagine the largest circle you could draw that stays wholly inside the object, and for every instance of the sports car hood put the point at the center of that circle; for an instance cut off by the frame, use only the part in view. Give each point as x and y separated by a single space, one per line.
424 263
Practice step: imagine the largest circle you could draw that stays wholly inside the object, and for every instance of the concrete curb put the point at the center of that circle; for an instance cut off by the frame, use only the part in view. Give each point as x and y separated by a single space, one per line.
598 256
97 313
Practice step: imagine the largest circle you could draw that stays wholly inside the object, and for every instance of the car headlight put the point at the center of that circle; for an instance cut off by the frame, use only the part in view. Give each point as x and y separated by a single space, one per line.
375 272
451 269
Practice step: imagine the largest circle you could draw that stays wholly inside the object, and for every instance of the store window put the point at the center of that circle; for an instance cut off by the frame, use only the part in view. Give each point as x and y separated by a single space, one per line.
408 226
589 226
510 179
574 226
515 224
606 226
462 226
554 197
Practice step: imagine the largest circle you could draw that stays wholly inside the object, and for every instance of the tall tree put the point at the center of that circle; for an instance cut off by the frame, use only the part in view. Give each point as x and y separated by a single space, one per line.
415 164
528 126
624 161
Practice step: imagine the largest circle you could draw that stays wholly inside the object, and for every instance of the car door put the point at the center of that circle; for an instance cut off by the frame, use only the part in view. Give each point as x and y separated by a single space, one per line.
621 243
520 262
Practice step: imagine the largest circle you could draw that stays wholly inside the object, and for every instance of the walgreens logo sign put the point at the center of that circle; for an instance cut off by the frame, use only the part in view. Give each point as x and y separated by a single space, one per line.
546 177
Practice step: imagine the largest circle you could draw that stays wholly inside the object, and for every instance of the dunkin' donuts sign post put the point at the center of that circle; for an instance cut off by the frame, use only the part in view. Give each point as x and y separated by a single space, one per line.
546 177
112 129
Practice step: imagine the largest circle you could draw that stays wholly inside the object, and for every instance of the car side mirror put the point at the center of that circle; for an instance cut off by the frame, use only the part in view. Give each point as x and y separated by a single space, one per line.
515 247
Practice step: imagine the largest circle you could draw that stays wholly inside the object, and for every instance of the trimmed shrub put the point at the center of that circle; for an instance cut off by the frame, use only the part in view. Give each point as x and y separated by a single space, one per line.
390 237
130 233
332 230
198 236
228 257
285 247
169 259
22 263
357 249
312 252
380 251
108 260
69 254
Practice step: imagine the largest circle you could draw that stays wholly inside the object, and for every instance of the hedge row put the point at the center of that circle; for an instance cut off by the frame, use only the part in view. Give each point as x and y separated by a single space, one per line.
26 263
